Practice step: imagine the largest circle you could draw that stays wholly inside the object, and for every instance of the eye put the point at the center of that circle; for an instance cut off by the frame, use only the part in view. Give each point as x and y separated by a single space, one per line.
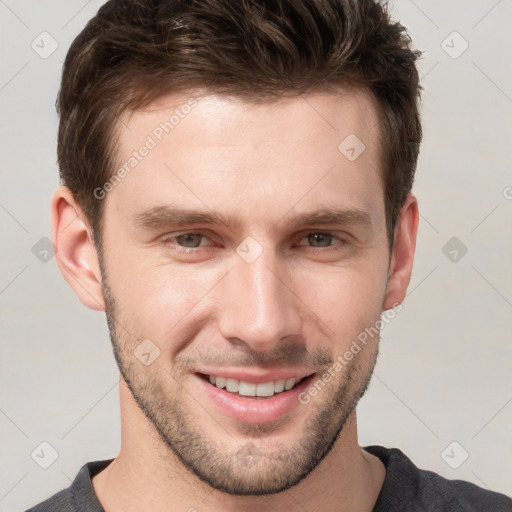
188 242
189 239
324 240
185 242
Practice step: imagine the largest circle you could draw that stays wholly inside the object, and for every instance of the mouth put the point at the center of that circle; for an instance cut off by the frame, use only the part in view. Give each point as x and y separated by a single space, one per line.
254 399
253 389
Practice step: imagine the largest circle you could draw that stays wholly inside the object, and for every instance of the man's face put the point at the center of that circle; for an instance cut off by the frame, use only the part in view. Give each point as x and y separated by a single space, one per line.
262 300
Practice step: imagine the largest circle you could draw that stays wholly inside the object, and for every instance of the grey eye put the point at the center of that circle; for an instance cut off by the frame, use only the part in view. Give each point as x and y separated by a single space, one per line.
322 238
189 240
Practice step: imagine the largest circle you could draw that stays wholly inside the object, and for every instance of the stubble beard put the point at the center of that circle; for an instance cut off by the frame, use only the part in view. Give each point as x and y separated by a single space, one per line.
244 466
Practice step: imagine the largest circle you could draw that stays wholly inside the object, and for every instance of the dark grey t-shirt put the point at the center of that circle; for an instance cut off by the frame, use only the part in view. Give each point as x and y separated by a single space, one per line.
406 489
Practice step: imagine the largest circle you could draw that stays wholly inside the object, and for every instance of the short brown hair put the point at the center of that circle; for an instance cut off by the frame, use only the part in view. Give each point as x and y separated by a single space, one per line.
135 51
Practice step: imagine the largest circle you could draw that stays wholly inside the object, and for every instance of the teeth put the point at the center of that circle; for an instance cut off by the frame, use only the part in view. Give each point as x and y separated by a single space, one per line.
289 384
220 382
246 389
265 389
232 385
251 389
279 386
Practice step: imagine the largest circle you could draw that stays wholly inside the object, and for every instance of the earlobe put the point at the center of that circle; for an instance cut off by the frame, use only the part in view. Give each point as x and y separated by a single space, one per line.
75 250
402 257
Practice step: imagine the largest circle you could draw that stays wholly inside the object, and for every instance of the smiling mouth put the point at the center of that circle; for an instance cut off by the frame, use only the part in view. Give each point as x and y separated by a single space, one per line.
253 390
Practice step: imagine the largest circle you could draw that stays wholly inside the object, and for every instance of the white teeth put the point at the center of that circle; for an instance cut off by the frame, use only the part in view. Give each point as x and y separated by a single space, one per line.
289 384
279 386
247 389
263 389
232 385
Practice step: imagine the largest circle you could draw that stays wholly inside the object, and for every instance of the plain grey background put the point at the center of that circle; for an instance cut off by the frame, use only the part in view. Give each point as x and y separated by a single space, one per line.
442 388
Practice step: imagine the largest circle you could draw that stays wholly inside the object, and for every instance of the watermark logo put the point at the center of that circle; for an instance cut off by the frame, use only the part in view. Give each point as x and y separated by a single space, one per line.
249 454
454 45
44 45
454 455
454 249
146 352
352 147
44 455
369 332
249 250
43 249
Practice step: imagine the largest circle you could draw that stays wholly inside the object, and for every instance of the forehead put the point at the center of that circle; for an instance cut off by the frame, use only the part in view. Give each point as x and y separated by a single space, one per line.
351 108
215 150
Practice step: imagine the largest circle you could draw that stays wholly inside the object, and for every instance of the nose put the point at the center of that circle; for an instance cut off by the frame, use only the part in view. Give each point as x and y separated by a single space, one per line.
258 307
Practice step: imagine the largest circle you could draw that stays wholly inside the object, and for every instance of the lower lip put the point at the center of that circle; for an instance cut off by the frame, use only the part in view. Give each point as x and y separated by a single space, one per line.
254 410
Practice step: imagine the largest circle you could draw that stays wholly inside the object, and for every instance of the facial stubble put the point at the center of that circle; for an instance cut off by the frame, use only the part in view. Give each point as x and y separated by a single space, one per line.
241 465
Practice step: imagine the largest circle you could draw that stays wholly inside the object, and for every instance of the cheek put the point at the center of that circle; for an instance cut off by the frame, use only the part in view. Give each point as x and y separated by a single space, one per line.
347 300
162 302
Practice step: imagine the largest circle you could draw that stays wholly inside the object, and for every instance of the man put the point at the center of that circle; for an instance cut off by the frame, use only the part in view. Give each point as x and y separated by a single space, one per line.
237 198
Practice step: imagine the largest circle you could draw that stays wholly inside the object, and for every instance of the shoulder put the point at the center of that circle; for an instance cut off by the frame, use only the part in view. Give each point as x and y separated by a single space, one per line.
79 496
59 502
409 488
460 495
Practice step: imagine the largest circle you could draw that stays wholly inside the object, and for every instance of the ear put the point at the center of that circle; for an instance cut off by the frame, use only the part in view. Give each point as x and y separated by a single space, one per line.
402 257
75 250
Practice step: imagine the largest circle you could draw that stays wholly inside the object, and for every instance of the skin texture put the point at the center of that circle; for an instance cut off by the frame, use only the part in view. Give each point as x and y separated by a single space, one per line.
299 304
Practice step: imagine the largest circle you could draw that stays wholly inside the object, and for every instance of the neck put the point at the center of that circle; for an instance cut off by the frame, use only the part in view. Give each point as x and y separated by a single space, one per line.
146 472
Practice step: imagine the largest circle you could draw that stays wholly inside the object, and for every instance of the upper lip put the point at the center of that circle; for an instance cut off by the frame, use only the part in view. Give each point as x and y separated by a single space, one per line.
257 375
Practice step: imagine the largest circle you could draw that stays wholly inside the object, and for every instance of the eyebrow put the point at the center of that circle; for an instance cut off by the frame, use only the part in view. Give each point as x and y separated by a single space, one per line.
167 216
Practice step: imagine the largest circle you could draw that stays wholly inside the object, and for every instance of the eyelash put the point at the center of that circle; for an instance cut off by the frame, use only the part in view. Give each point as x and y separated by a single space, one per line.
172 241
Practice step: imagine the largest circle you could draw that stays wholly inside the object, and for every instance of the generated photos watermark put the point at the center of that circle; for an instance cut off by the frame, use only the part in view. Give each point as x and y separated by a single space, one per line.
152 140
342 360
